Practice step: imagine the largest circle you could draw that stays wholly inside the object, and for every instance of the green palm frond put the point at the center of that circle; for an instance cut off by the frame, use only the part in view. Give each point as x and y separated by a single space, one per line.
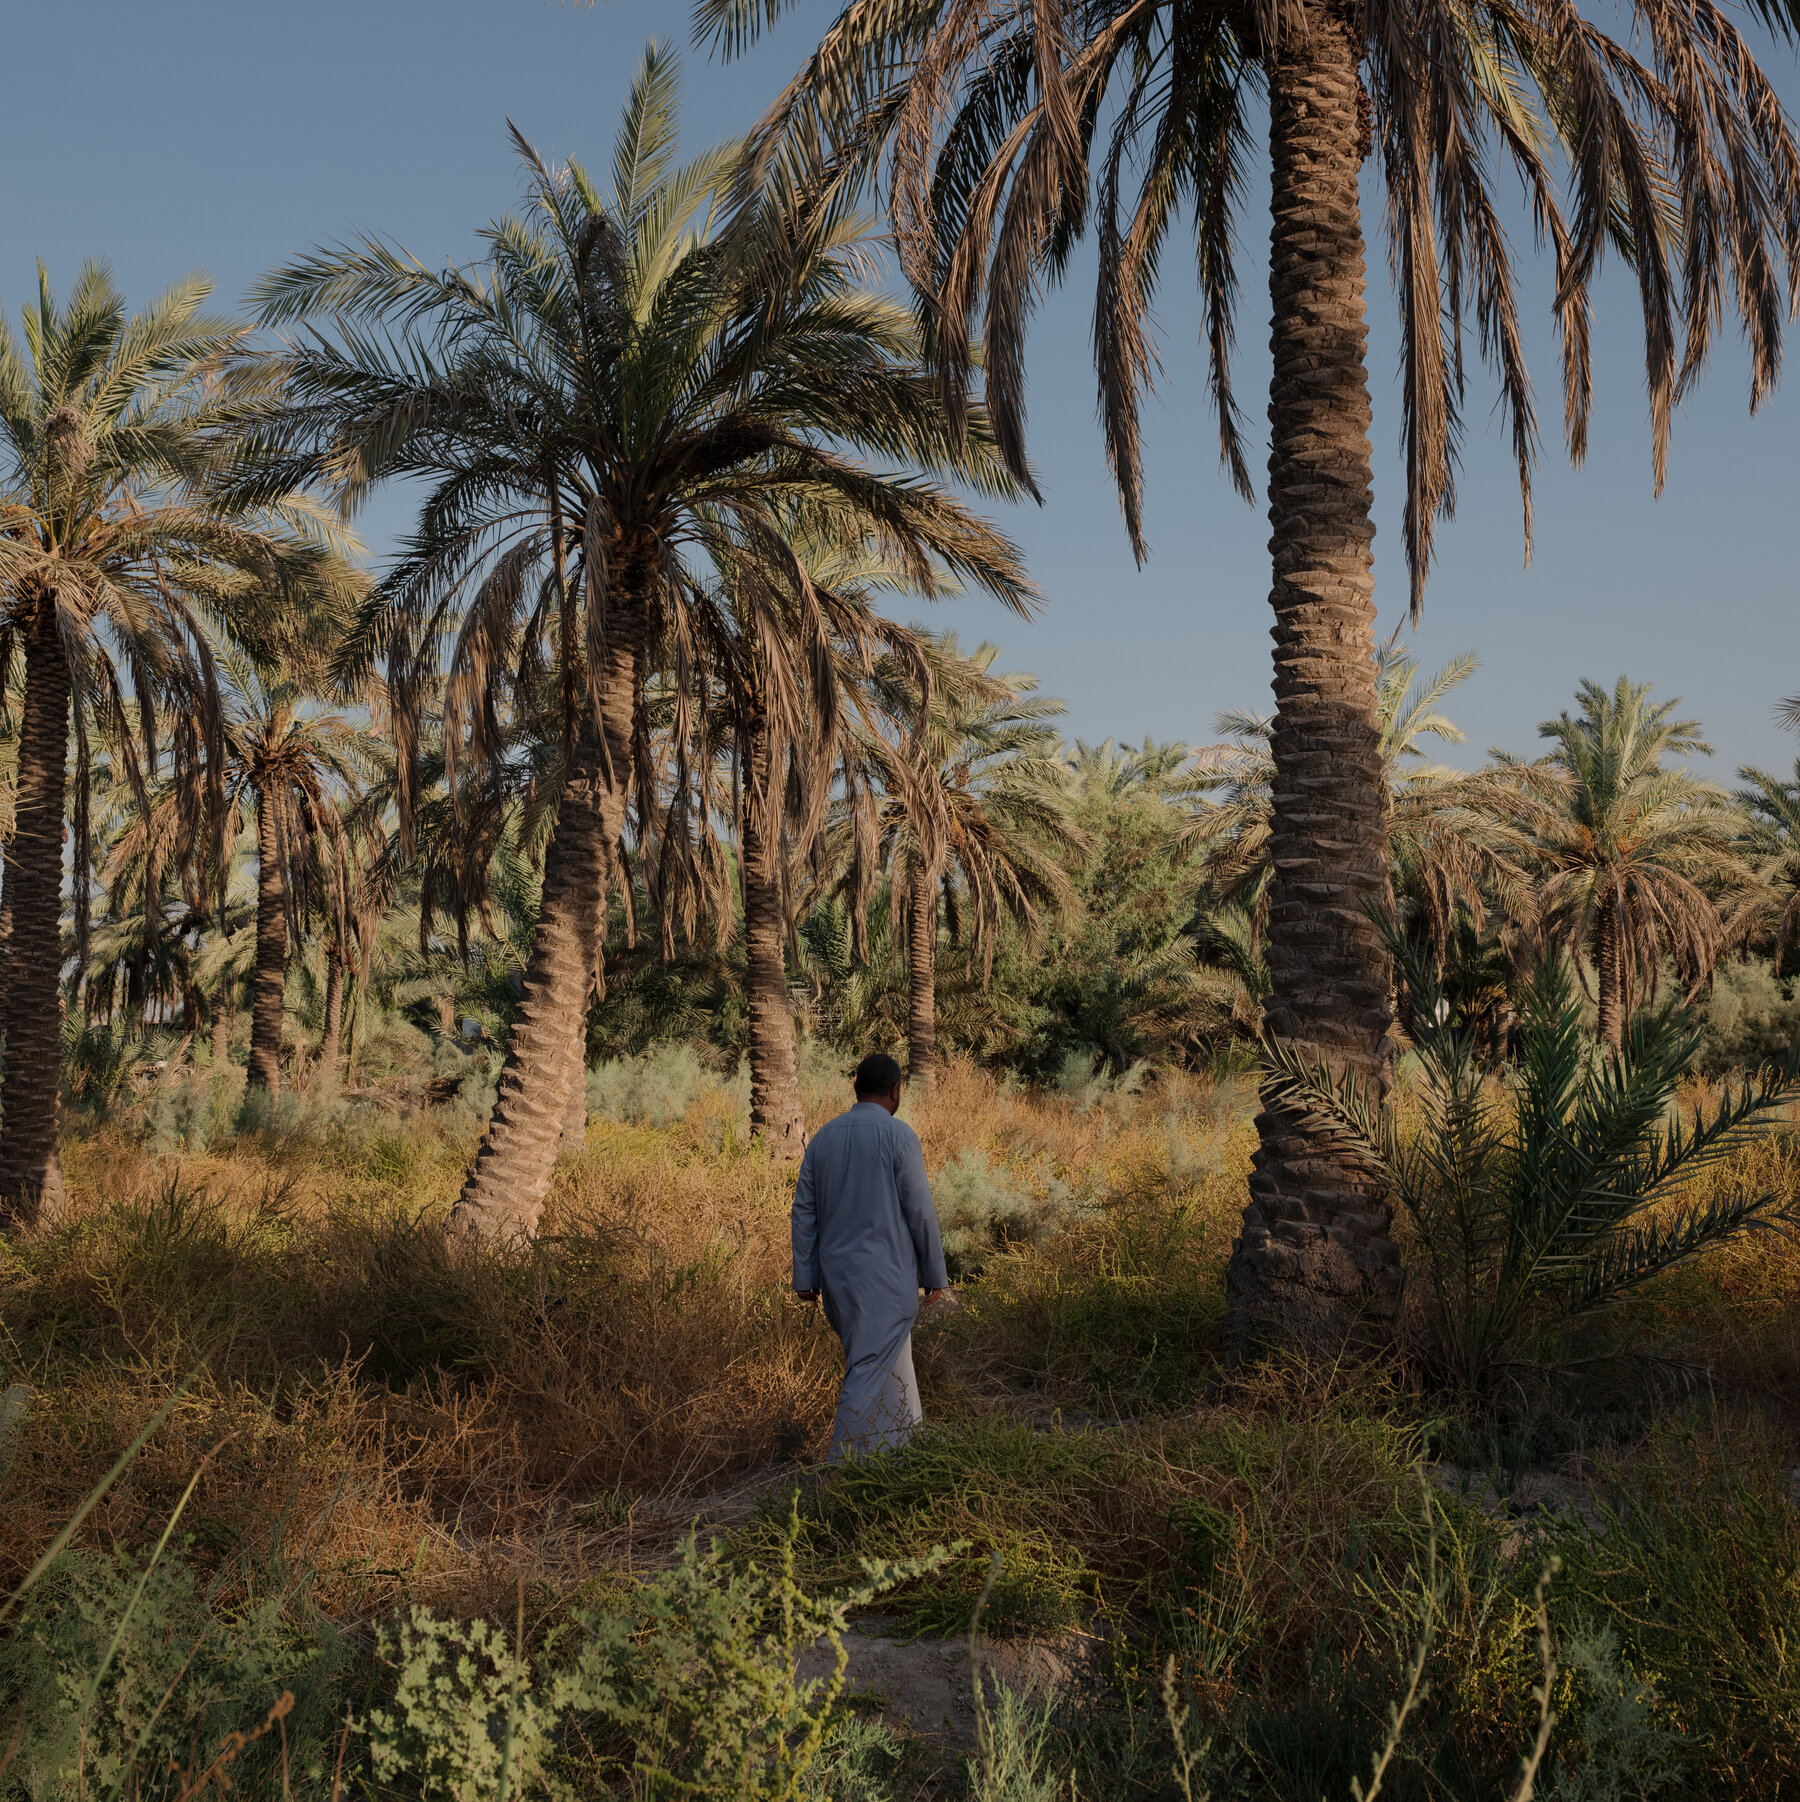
1547 1201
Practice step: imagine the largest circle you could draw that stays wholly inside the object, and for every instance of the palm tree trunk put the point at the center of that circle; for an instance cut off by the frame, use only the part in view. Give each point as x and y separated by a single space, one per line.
268 992
504 1194
921 974
221 1024
334 1013
1316 1259
545 1057
31 1185
1610 973
776 1116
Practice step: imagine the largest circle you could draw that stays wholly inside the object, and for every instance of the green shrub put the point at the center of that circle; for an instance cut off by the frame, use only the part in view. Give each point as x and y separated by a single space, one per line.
124 1677
1538 1207
982 1209
658 1087
1749 1017
1694 1565
687 1687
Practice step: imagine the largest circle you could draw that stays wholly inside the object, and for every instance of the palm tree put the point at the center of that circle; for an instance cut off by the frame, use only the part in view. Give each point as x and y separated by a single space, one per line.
955 778
1540 1206
1626 845
1770 843
996 122
791 733
294 768
630 388
129 521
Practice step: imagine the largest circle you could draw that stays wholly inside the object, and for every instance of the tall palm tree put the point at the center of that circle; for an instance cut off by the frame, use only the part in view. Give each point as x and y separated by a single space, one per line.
958 791
791 732
630 388
1770 844
1626 846
130 522
997 120
293 768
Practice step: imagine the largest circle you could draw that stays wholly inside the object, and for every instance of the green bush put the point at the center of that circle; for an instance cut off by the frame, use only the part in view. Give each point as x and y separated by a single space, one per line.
1694 1566
1749 1018
687 1687
131 1678
658 1087
1542 1204
982 1209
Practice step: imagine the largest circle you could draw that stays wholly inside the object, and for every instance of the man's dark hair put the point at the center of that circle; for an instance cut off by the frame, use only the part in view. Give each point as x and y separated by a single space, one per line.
877 1074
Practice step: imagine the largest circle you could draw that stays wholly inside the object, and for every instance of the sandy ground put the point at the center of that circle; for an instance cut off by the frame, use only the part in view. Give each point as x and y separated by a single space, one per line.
925 1686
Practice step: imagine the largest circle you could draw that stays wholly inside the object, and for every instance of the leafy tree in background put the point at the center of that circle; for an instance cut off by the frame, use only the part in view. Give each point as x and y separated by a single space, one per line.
631 388
787 732
1771 844
1626 848
297 771
133 519
1007 131
1119 982
957 794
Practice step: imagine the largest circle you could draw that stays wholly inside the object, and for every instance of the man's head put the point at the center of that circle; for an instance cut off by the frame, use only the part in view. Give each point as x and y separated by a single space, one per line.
878 1079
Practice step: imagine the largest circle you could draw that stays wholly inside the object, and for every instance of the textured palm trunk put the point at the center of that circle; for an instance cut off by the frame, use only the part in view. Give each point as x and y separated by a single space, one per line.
334 1014
1610 976
1316 1263
221 1025
776 1116
503 1197
921 975
31 1185
572 1139
268 992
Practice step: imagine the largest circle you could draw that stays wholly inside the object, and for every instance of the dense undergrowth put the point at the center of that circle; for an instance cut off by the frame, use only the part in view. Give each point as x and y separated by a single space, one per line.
371 1447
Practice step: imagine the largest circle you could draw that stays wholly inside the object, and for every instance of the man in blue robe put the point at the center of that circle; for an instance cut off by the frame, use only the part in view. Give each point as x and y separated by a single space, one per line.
866 1242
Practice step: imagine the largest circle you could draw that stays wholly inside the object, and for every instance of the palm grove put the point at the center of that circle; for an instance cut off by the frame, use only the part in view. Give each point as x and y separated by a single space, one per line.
625 742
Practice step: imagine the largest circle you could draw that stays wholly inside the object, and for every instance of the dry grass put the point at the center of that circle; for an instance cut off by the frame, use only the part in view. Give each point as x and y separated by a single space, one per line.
410 1424
378 1421
400 1423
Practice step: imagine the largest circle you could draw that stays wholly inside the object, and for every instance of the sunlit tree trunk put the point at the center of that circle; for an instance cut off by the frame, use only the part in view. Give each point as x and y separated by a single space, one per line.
504 1195
921 973
1316 1261
775 1112
31 1186
268 993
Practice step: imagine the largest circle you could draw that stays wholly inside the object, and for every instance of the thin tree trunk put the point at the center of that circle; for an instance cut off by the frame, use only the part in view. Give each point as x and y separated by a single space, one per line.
221 1024
1316 1261
921 974
1610 975
268 991
31 1186
503 1197
776 1116
575 1116
334 1013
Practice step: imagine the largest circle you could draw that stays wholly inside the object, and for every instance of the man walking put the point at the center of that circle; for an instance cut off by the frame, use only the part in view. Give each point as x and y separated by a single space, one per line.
866 1242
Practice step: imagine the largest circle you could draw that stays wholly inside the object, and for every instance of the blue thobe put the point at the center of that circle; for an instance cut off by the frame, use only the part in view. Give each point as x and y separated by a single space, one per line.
866 1237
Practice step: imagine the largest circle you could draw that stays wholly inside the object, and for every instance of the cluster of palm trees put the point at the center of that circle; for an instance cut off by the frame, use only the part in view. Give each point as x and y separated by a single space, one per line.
674 445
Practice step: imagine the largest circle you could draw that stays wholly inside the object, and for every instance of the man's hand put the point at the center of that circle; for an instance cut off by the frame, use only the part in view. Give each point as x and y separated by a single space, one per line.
807 1294
933 1297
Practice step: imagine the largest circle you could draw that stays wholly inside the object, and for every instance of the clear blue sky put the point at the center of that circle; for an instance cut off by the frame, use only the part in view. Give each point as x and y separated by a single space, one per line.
165 135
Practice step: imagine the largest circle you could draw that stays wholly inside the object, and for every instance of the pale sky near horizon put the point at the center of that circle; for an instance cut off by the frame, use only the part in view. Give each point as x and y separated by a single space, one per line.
173 134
